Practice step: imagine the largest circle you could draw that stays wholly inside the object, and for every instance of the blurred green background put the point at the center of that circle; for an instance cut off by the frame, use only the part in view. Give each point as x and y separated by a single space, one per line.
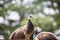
13 14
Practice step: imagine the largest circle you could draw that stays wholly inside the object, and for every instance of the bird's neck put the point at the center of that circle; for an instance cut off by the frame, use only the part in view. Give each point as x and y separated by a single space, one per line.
30 26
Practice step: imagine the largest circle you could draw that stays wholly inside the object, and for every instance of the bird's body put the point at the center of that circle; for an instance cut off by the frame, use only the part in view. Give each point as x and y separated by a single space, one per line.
46 36
23 33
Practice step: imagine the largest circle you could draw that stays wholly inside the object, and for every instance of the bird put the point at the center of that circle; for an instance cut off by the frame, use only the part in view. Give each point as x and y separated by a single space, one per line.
46 36
37 30
24 32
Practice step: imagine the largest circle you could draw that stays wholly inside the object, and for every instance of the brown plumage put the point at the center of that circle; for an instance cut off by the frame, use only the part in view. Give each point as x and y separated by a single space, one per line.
23 33
46 36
